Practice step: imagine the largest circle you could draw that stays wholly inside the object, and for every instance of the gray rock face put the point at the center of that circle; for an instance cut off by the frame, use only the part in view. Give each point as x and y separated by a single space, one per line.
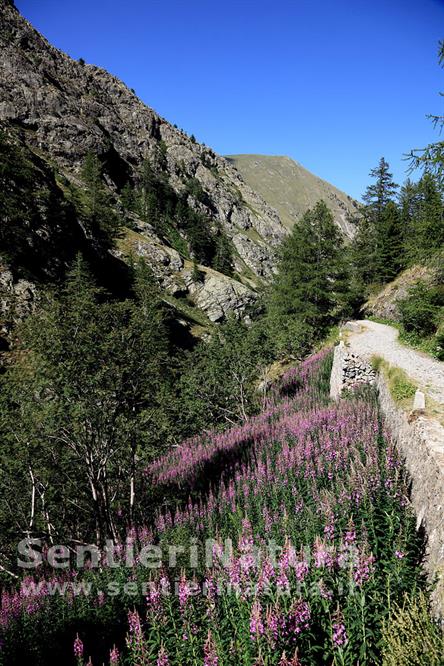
70 109
17 300
219 295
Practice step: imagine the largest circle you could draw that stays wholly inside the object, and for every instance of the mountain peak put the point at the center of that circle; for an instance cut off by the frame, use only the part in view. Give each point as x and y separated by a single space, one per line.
291 189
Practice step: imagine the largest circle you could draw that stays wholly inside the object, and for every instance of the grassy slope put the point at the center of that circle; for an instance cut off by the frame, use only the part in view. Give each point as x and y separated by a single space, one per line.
290 188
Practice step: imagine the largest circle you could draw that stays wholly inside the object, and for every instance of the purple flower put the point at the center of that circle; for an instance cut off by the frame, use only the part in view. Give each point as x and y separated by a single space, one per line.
184 592
162 658
135 626
322 555
301 569
210 653
339 634
114 656
298 618
399 554
256 624
363 568
78 648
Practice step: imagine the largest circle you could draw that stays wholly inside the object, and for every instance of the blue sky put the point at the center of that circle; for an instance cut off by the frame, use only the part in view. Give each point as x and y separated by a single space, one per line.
334 84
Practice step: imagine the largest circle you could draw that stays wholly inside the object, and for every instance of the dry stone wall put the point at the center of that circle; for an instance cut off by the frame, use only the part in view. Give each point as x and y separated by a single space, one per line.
349 370
420 441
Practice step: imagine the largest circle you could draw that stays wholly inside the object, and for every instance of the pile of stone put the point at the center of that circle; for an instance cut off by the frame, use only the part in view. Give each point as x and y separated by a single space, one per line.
356 371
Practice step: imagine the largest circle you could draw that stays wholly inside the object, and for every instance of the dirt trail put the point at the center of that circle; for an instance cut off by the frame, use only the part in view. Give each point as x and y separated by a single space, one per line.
382 340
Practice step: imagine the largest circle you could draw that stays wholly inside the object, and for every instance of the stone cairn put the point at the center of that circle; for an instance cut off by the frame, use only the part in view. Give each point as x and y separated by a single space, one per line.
349 370
356 371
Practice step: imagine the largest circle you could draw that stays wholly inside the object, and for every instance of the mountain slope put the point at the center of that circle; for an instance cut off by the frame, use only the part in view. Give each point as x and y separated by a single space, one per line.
63 110
291 189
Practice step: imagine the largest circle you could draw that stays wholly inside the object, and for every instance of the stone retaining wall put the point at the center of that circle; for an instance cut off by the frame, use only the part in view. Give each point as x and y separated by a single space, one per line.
421 443
348 370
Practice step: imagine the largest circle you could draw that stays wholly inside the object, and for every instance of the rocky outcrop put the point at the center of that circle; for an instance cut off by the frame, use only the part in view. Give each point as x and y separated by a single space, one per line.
17 300
69 109
384 304
218 296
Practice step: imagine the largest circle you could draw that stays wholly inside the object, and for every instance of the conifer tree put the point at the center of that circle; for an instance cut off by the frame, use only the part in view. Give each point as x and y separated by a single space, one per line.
96 206
380 234
309 291
427 225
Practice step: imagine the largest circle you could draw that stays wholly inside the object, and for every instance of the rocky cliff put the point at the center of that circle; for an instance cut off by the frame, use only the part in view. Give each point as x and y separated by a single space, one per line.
62 110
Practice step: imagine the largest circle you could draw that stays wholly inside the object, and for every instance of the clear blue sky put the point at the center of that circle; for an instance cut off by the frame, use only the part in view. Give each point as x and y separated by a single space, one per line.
334 84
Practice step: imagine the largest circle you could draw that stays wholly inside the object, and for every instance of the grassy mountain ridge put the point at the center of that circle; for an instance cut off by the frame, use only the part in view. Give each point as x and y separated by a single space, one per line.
291 189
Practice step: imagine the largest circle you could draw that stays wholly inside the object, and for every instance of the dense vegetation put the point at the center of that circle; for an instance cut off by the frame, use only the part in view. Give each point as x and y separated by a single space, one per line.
111 429
320 482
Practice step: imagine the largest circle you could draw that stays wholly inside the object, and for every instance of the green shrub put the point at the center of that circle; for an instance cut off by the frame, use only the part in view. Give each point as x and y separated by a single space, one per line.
401 387
411 637
439 351
420 309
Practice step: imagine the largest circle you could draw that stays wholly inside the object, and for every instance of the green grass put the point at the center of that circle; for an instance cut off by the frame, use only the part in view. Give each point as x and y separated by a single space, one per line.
287 186
399 383
188 311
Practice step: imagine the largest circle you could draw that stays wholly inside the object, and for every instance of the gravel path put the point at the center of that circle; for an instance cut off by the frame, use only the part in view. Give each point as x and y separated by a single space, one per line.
382 340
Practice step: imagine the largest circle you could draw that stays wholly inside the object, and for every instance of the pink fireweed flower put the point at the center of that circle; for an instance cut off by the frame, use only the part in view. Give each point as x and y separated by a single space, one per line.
210 652
399 554
266 575
246 542
301 569
256 624
323 590
299 617
273 623
210 588
184 592
78 648
164 585
114 656
363 568
322 554
135 626
153 597
287 558
339 635
282 583
234 574
162 658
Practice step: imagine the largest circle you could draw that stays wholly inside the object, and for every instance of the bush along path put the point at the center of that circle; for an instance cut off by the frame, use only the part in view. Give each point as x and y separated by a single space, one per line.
312 544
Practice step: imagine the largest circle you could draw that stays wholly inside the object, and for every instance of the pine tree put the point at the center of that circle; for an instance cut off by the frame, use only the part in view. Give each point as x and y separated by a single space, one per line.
392 258
98 212
309 291
427 225
408 201
222 260
378 195
380 235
